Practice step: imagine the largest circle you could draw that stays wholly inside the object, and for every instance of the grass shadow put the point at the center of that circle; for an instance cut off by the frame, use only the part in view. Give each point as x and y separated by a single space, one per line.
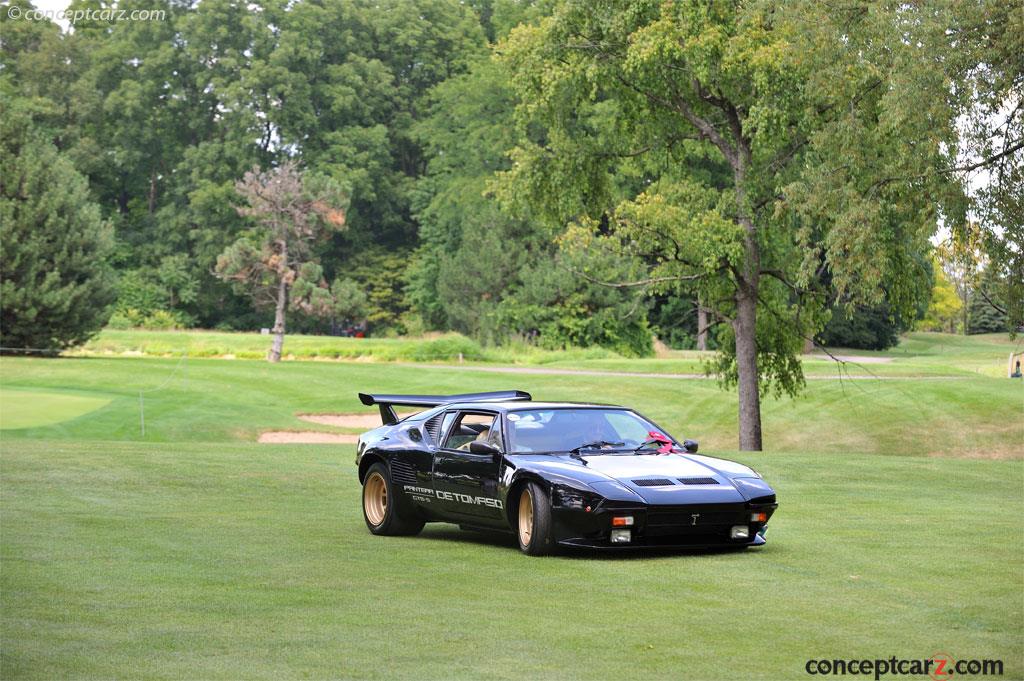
506 540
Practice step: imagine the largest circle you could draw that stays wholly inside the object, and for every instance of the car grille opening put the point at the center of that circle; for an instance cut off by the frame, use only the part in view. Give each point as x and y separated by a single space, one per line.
698 481
684 521
653 482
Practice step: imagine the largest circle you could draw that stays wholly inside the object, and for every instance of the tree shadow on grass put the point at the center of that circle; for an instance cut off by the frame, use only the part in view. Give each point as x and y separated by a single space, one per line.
443 532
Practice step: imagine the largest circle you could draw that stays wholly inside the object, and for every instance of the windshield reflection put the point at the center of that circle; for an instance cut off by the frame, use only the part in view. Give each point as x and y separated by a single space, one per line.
562 430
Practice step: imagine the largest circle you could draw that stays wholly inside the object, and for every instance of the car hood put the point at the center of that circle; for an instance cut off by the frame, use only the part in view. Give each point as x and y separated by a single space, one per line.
647 466
638 472
623 477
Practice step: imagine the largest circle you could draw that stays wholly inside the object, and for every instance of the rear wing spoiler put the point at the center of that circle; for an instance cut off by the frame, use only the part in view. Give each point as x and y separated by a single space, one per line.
386 402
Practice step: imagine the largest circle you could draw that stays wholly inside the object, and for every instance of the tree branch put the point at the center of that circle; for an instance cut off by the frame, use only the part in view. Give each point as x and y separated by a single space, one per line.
707 130
637 283
998 308
776 274
955 169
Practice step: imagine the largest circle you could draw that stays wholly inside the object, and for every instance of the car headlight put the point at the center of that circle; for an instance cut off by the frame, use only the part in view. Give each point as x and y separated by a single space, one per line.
739 532
621 536
570 497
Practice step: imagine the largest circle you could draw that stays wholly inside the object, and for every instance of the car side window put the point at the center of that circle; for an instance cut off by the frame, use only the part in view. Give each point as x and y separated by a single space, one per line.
469 427
446 425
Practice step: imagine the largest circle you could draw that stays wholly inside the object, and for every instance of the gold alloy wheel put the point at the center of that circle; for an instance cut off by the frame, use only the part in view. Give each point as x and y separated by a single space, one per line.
525 517
375 498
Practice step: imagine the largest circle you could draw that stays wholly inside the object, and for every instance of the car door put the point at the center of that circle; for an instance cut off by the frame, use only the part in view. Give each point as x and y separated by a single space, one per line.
465 483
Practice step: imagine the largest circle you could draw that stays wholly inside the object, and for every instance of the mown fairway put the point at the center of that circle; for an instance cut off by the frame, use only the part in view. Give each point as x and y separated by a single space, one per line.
194 553
918 354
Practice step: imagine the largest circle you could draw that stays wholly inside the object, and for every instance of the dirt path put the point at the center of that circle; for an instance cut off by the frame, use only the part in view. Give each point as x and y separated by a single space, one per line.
306 437
364 421
855 359
543 371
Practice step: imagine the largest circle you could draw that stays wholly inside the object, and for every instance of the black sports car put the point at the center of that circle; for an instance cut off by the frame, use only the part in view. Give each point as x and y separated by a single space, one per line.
556 474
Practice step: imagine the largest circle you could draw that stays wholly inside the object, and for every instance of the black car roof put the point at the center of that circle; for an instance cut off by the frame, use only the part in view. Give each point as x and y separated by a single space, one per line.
527 406
499 401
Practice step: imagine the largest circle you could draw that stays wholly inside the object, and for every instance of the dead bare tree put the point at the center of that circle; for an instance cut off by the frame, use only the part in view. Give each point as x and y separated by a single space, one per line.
275 264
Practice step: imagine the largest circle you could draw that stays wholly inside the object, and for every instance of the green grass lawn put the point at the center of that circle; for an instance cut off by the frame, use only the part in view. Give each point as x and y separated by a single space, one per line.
450 347
31 409
193 552
211 400
918 354
245 561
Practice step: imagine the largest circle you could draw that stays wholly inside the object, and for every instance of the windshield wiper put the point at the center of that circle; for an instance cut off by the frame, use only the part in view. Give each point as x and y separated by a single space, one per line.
595 445
648 443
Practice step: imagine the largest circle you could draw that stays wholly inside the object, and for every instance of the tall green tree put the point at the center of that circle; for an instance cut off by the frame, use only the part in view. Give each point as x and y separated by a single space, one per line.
984 45
944 305
350 80
470 251
56 283
487 272
962 260
164 116
775 142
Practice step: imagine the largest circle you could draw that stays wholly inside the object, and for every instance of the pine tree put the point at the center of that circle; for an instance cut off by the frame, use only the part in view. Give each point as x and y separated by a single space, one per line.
984 318
56 286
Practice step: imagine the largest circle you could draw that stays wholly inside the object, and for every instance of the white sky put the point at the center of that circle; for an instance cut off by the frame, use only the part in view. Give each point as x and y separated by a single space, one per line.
53 6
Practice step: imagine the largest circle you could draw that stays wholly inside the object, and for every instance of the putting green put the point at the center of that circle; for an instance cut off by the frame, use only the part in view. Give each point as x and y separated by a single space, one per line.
29 408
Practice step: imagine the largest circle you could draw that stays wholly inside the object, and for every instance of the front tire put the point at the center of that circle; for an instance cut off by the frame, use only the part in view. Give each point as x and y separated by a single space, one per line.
534 521
382 507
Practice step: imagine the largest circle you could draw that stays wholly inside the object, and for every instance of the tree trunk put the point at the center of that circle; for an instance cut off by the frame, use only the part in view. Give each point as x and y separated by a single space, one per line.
702 327
282 304
745 326
964 307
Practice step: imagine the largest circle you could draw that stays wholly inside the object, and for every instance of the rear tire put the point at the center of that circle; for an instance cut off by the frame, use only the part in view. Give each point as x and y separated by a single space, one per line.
533 529
383 509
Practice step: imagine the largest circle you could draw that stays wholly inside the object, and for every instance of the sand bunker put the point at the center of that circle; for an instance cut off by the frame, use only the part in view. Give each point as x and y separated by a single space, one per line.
361 422
364 421
306 437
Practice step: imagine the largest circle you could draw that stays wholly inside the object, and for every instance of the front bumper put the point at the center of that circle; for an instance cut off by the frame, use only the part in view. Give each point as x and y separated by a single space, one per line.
605 545
700 526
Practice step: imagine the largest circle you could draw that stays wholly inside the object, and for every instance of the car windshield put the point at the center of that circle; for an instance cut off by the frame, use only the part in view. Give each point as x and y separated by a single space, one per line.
562 430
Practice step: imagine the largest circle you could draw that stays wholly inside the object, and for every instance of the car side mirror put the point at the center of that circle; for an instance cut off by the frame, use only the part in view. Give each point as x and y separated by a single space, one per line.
481 447
690 446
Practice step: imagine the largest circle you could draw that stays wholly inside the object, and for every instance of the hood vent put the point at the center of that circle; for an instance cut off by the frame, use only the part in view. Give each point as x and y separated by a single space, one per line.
653 482
698 481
